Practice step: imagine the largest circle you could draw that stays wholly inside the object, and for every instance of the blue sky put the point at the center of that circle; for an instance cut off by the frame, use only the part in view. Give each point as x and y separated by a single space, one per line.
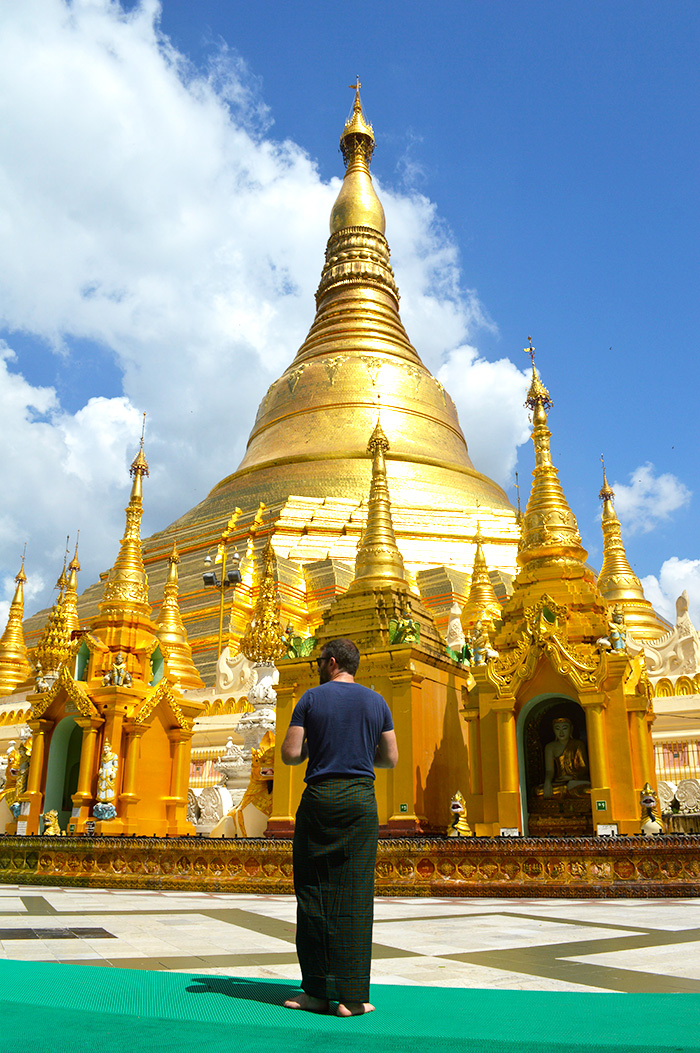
167 178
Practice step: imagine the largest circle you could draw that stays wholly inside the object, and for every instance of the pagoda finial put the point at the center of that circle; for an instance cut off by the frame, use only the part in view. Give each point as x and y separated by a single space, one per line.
262 640
617 581
126 587
549 527
357 204
171 632
14 661
70 596
378 555
62 580
482 602
54 647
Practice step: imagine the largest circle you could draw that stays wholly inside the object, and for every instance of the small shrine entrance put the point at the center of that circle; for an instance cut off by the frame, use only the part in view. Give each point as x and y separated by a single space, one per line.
62 769
554 810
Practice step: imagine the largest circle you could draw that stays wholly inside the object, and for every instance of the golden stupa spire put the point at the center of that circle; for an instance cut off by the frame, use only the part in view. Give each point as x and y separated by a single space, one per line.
262 640
126 587
482 601
357 346
378 557
54 647
171 632
14 661
357 204
617 581
70 596
549 528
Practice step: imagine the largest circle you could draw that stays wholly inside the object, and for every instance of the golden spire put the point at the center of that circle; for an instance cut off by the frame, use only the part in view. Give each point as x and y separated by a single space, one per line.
482 601
378 556
618 582
327 397
357 204
549 529
172 635
262 640
14 661
126 587
54 647
70 598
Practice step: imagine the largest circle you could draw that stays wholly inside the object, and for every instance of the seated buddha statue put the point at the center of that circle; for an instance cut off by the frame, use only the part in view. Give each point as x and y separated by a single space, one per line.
565 763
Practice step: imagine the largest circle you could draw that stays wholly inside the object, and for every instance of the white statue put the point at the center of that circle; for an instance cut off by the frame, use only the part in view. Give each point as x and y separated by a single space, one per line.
455 634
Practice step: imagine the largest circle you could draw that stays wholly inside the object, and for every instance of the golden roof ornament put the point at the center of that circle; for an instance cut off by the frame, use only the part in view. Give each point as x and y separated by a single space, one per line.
14 660
126 587
482 602
617 581
357 204
70 597
171 632
54 647
378 557
262 641
549 529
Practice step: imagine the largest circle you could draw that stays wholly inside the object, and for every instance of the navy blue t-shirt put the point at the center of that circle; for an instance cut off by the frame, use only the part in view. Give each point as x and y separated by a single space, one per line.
343 724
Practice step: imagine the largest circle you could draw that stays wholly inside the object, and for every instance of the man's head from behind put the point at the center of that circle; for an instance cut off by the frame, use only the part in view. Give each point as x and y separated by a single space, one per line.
345 654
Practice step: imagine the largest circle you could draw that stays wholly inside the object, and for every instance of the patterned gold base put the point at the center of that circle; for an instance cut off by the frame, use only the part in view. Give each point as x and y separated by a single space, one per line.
569 867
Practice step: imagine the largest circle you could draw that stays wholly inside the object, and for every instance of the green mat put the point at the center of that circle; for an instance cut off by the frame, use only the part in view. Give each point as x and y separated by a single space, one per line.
54 1008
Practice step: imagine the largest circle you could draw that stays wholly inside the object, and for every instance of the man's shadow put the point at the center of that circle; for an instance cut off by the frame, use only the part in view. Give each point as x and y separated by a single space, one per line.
270 992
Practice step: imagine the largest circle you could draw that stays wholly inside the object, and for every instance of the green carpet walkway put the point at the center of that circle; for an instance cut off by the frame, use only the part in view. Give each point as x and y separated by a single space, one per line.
54 1008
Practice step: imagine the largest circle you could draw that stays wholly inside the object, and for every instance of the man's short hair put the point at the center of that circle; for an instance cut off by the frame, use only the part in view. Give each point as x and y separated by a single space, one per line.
345 653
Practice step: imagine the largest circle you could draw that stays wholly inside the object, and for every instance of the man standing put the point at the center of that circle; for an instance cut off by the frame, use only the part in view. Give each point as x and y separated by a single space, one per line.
346 731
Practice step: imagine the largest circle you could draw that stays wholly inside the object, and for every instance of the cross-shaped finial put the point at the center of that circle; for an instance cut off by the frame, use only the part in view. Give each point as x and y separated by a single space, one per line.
143 428
356 86
530 351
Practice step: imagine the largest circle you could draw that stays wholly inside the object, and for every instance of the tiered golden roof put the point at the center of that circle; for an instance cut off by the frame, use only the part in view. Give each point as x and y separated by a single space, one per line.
617 581
14 660
482 602
262 640
54 647
172 635
378 557
126 588
549 529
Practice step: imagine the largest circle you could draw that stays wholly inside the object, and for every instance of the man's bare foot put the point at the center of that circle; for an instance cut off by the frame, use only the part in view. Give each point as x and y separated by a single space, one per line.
354 1008
307 1002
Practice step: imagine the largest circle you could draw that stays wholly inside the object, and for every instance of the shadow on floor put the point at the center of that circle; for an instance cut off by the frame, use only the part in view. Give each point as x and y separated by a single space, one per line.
269 992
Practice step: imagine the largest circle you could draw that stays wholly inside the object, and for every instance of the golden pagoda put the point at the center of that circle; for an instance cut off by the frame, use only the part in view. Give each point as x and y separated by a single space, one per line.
14 660
617 581
111 731
559 712
306 463
172 635
482 603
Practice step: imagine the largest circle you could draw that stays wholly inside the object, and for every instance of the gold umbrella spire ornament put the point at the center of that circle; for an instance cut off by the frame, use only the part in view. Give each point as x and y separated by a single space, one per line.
482 601
262 641
549 529
14 660
54 647
378 557
171 632
70 599
617 581
126 587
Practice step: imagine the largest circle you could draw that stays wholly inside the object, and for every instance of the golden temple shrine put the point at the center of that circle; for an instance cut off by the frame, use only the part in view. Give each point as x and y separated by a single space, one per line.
517 679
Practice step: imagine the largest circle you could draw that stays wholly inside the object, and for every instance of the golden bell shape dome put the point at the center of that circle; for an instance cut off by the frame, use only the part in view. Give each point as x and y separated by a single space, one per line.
310 433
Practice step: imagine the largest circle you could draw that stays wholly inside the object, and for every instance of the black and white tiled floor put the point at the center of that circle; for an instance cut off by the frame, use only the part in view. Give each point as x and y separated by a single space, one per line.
515 944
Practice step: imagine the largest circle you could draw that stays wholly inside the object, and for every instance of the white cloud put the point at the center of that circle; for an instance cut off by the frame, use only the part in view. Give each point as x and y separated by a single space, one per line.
490 398
144 206
676 575
649 499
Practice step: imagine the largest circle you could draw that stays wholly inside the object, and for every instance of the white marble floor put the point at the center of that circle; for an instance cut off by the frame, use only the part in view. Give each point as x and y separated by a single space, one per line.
513 944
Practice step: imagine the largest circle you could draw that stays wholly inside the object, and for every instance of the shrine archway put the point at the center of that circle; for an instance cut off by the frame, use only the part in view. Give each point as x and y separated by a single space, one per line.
62 769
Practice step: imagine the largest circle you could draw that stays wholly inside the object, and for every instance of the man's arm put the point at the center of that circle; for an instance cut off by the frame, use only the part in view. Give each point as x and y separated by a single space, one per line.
294 747
387 751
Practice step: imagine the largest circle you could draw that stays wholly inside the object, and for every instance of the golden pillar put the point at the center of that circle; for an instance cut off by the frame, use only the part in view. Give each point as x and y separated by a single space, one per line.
641 740
176 802
406 698
601 797
32 800
474 745
84 794
508 782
